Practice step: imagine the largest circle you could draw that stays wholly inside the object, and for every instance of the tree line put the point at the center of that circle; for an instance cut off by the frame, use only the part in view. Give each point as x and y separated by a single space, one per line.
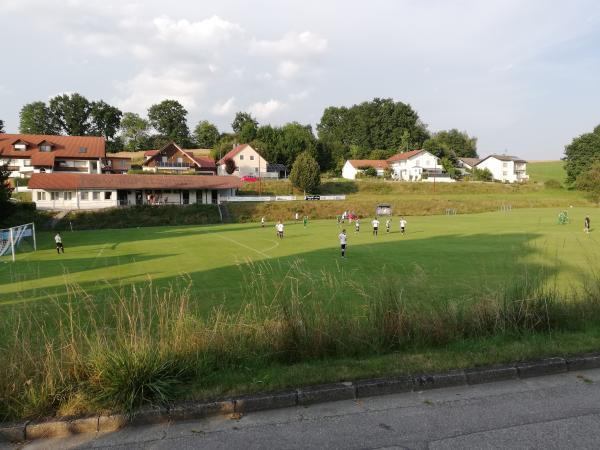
373 129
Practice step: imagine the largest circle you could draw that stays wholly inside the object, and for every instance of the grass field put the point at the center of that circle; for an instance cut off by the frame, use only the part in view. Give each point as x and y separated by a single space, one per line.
546 170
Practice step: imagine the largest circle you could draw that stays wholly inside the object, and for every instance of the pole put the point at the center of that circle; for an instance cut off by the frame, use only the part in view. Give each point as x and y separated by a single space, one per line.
34 241
259 179
12 244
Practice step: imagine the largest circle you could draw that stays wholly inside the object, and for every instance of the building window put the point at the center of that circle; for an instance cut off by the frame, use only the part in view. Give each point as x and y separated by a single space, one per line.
20 147
164 159
45 148
67 195
251 157
504 173
82 149
241 157
256 169
53 195
41 195
107 195
26 163
84 196
504 164
95 195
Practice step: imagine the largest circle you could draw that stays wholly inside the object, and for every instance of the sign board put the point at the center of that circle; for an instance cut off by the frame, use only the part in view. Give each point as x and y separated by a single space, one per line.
312 197
384 209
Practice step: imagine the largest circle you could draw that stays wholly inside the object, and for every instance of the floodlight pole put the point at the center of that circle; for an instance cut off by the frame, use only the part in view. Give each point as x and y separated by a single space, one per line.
12 244
34 241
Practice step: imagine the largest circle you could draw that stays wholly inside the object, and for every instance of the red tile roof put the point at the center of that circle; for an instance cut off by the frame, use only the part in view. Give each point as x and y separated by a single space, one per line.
203 161
72 181
376 163
62 146
232 153
206 162
404 156
43 159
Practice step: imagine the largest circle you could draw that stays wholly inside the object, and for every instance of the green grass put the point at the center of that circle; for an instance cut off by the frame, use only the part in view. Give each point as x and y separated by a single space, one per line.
546 170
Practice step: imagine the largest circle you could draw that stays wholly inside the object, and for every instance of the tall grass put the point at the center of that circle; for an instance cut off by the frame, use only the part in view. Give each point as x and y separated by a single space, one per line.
146 346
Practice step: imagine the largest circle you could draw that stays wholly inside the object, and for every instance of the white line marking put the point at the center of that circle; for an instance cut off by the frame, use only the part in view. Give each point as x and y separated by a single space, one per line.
243 245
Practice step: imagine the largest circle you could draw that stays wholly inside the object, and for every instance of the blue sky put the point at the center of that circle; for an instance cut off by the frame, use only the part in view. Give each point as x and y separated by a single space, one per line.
522 76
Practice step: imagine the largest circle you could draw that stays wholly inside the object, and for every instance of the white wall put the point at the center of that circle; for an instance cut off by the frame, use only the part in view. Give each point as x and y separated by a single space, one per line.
248 162
504 170
411 169
349 171
43 199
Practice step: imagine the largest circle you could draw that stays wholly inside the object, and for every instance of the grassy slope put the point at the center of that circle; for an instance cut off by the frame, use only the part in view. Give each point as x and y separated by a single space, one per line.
449 255
546 170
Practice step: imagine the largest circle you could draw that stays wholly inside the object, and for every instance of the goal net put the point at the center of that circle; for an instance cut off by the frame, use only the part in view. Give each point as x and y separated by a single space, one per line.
20 238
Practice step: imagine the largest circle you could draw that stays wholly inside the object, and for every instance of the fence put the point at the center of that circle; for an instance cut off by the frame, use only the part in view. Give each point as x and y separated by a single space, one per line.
279 198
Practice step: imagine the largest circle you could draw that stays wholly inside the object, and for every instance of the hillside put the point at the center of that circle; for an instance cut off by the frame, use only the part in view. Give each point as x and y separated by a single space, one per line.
543 171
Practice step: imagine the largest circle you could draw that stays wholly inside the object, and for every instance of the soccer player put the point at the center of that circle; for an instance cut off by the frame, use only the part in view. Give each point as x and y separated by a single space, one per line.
297 217
375 224
262 221
586 224
59 245
279 228
357 225
305 221
402 225
388 223
342 237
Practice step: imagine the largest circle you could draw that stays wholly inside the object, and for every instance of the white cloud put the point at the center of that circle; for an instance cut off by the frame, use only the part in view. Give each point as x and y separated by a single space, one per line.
149 87
201 34
288 69
266 109
297 96
292 45
225 108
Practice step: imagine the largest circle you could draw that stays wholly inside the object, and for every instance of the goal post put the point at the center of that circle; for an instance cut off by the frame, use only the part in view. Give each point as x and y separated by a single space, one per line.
20 236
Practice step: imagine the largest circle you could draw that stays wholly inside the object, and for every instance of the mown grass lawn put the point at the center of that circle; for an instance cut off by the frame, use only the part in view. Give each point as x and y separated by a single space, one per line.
445 256
543 171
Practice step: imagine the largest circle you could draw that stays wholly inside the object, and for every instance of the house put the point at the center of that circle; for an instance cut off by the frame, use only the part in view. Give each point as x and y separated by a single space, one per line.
353 167
173 159
416 165
26 154
116 164
68 191
248 162
466 164
505 168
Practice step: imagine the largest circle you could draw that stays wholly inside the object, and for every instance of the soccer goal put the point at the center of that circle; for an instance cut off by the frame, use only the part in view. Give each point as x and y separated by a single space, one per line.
21 237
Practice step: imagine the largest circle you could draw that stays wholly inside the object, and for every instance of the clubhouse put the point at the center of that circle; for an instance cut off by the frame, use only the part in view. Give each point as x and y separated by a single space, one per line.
72 191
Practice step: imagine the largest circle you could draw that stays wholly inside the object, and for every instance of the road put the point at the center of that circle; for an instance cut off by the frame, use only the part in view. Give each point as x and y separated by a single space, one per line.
552 412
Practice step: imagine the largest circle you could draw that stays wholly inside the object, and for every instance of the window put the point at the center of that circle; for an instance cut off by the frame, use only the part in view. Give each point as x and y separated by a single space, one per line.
84 196
179 160
53 195
21 147
504 164
164 159
251 157
45 148
504 173
27 163
95 195
256 169
241 157
82 149
107 195
67 195
41 195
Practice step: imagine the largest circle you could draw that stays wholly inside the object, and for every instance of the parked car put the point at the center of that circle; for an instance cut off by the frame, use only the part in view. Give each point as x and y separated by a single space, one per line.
249 179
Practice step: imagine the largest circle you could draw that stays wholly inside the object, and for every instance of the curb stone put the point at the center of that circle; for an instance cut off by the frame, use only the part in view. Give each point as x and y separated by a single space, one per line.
326 393
21 431
546 366
488 374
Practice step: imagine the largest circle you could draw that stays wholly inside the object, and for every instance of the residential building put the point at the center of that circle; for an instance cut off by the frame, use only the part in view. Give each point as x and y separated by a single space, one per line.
466 164
353 167
116 164
26 154
70 191
505 168
173 159
248 162
416 165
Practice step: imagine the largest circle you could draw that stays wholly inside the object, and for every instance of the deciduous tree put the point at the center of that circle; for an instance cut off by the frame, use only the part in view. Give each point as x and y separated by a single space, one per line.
134 130
582 153
35 118
1 126
242 118
589 181
5 188
105 120
206 134
305 173
169 118
452 144
70 114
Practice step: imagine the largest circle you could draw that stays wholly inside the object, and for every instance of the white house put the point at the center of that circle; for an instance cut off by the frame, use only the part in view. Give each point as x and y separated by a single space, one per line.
416 165
466 164
353 167
69 191
505 168
248 162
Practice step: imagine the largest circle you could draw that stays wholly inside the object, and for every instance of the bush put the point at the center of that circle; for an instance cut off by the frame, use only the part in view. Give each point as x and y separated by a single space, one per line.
553 184
482 174
589 181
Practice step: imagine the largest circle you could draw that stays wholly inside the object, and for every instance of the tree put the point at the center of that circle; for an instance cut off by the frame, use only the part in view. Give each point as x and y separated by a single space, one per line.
206 134
482 174
451 144
5 188
242 118
295 139
134 130
70 114
229 166
248 132
589 181
305 173
169 118
105 120
1 126
582 153
35 118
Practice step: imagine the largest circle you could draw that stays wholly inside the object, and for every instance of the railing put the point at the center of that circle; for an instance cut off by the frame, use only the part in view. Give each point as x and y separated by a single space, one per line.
174 165
70 169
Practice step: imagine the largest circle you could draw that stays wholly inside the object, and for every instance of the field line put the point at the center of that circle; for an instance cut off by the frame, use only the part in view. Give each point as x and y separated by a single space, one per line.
243 245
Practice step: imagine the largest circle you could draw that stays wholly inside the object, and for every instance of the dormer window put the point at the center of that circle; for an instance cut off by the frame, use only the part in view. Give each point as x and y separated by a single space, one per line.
20 147
82 149
45 148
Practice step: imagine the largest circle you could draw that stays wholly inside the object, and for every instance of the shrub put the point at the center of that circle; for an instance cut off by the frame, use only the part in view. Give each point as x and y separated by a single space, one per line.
589 181
229 166
553 184
482 174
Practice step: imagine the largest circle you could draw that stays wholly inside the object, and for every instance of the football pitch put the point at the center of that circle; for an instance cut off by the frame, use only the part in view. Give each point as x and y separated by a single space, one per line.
446 256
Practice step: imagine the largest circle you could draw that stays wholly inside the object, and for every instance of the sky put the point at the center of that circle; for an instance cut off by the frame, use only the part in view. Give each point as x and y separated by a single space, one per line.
520 75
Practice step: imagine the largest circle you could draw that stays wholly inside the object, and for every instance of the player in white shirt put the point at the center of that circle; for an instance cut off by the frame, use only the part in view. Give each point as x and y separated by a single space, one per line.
279 228
375 224
357 225
342 237
262 222
59 245
388 223
402 225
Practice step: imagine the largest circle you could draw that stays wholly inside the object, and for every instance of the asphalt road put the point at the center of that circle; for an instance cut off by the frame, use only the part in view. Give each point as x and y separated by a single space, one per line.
552 412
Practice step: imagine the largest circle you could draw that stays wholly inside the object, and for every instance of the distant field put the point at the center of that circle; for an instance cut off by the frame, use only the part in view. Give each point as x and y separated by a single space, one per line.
546 170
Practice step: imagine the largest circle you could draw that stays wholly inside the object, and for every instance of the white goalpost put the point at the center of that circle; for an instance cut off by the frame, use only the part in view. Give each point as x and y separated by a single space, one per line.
12 238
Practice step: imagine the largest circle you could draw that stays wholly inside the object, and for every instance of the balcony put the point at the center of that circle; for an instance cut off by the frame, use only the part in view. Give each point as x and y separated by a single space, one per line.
174 165
73 169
